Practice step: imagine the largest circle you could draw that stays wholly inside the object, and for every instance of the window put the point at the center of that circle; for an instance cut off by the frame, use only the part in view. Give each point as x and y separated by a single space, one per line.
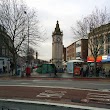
6 51
78 54
108 38
78 45
101 40
3 51
95 41
101 51
108 49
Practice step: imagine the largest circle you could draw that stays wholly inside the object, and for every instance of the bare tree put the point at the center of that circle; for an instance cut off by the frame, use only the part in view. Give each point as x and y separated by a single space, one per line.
30 55
92 27
20 23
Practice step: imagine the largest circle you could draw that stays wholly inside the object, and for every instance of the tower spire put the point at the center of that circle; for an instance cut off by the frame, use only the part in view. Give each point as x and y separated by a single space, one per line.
57 30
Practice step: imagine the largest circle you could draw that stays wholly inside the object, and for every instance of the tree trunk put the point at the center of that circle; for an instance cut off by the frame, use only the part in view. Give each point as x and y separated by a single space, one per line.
15 62
95 67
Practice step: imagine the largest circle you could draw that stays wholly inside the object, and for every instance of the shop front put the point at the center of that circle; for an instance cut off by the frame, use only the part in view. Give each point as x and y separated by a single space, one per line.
90 60
102 61
106 62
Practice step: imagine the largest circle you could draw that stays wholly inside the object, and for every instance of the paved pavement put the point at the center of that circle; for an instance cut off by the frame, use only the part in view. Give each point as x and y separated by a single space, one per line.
60 76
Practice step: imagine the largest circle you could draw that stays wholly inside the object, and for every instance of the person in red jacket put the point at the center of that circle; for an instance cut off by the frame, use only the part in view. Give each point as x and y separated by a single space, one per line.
28 71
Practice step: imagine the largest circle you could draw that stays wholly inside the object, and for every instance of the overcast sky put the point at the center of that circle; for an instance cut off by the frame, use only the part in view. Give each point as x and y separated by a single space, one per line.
67 12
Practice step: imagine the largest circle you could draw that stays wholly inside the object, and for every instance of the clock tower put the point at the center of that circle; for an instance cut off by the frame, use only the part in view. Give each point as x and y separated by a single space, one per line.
57 47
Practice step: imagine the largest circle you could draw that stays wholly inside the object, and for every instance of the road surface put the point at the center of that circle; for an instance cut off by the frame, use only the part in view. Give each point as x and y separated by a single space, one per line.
82 93
97 85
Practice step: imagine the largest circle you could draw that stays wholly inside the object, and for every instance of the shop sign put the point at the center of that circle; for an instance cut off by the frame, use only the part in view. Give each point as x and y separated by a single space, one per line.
108 57
91 59
104 57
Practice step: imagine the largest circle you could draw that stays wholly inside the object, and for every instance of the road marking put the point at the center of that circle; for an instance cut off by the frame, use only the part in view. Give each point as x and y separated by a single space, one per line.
24 83
53 82
36 80
105 90
52 94
98 98
98 84
100 90
55 104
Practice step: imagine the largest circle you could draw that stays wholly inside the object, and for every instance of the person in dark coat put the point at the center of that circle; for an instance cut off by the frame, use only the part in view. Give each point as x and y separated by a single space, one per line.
11 67
4 69
81 72
55 72
87 71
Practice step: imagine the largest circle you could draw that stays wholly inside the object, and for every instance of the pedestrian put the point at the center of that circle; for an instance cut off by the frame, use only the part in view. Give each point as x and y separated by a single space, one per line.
103 72
100 72
4 69
91 72
106 73
11 67
55 72
87 71
109 74
84 71
97 71
22 71
28 71
81 72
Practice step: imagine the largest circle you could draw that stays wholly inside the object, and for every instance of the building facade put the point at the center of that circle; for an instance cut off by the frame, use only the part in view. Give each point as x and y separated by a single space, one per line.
77 50
100 38
71 52
5 54
57 46
82 49
101 34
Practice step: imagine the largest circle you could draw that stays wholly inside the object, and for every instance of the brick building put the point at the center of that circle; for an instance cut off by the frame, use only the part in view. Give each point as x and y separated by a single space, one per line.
77 50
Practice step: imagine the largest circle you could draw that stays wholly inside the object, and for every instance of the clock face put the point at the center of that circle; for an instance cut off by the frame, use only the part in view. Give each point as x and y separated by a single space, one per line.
58 39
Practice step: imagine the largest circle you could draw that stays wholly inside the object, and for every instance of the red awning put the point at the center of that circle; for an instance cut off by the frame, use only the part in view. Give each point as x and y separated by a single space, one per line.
91 59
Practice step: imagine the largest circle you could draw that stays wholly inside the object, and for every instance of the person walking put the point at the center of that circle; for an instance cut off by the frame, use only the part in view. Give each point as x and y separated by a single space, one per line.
81 72
4 69
28 71
55 71
11 67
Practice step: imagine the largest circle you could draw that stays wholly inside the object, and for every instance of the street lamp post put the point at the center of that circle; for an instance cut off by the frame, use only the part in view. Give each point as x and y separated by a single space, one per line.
28 37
